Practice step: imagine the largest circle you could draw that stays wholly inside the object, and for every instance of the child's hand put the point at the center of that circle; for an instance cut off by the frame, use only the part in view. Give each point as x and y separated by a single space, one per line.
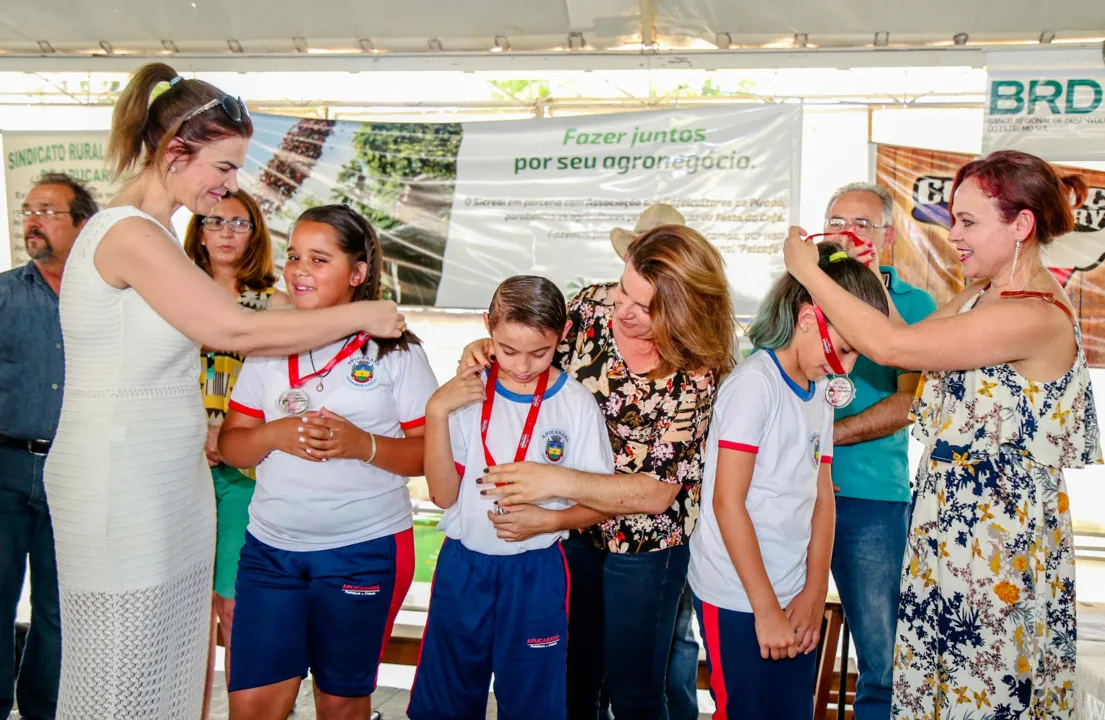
289 435
329 435
806 611
478 353
465 389
776 635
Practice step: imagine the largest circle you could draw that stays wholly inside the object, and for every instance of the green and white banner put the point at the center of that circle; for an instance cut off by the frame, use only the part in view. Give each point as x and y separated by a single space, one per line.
28 155
1058 115
460 207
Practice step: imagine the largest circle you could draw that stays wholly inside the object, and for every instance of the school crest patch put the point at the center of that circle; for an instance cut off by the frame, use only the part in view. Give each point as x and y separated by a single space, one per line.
815 448
554 445
362 373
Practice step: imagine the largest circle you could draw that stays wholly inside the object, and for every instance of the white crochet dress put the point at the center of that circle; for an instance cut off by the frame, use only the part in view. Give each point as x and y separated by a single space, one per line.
132 503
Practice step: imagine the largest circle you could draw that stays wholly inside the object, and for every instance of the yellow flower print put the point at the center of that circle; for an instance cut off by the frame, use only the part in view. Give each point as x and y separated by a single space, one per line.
1022 513
995 563
964 461
986 514
987 386
1060 414
1064 502
961 695
1022 665
1008 592
981 699
1020 563
1030 392
976 549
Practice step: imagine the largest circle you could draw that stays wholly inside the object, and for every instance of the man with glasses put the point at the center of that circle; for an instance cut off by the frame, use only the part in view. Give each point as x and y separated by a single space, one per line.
871 462
31 375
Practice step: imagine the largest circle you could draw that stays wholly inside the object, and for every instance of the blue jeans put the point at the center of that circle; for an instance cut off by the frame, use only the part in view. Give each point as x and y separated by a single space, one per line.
683 663
25 531
620 627
867 567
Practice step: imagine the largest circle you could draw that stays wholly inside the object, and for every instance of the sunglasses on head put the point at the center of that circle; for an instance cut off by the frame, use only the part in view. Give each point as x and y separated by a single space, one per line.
234 108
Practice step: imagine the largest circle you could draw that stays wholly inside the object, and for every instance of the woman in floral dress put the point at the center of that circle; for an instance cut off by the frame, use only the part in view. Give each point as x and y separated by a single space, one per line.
986 620
652 349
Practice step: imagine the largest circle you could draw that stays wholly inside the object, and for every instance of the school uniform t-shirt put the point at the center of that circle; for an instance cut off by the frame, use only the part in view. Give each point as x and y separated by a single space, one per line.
760 410
570 432
302 506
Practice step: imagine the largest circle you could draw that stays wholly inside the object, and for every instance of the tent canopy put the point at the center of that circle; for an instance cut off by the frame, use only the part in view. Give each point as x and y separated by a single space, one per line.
265 27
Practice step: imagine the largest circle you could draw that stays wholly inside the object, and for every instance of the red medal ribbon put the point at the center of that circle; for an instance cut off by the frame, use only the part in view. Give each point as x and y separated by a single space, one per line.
531 418
827 343
293 361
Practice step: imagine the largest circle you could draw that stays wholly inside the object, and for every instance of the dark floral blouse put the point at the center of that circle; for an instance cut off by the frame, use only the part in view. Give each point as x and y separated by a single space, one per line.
657 427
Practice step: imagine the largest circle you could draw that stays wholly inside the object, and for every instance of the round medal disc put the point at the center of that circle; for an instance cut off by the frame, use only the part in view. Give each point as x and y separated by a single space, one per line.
840 391
294 401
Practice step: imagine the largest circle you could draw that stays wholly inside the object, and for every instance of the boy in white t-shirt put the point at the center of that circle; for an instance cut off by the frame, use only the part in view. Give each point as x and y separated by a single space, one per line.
496 606
761 550
334 433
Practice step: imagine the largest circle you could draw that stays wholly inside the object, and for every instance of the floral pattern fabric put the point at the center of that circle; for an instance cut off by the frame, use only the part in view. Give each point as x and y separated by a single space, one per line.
986 621
656 426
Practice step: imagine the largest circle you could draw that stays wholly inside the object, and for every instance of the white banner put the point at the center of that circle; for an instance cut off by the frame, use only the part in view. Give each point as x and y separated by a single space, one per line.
28 155
541 196
1055 114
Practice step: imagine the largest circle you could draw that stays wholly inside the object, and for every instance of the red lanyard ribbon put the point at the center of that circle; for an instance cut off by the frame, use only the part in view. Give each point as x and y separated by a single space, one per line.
827 343
531 418
293 361
854 239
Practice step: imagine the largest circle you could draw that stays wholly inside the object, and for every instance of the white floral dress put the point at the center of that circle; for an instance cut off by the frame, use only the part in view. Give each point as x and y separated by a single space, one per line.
986 620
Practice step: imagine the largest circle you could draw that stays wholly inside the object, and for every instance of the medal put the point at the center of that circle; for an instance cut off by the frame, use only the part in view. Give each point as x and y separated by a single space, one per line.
295 400
839 391
531 417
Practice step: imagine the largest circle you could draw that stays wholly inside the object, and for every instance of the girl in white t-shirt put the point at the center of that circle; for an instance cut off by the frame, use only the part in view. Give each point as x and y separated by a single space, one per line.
334 434
761 550
497 606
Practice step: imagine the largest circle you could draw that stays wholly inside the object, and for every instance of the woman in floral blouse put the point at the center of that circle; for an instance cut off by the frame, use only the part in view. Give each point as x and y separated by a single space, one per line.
986 619
652 348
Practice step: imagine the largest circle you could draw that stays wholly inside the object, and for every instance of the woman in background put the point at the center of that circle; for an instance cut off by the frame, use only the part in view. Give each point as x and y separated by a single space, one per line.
232 245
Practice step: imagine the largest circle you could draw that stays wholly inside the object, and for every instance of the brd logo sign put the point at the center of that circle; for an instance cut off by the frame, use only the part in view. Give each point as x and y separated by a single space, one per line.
1075 96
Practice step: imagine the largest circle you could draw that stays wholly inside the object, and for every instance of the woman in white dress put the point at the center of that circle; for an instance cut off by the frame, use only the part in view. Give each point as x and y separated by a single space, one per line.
127 483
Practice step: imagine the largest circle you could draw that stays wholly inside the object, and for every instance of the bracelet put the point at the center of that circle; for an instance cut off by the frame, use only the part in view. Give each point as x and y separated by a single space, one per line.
372 455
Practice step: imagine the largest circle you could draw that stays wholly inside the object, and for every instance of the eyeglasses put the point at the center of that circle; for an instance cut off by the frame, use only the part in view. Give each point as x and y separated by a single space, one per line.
234 108
238 224
48 213
837 224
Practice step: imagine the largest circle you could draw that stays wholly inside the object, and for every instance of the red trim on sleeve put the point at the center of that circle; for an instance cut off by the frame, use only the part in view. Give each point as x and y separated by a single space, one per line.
253 413
413 423
826 459
460 468
729 445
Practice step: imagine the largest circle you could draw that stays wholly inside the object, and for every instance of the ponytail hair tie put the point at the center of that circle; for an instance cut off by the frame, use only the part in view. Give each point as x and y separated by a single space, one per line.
838 256
163 87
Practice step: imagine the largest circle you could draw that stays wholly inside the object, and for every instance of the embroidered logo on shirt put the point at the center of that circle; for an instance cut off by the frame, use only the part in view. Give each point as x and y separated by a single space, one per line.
362 373
815 448
555 443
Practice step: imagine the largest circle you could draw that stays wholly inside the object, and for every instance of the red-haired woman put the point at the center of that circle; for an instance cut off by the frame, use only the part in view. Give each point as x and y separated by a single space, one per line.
986 620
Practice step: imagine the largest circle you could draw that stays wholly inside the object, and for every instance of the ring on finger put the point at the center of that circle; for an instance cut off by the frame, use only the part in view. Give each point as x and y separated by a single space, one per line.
331 434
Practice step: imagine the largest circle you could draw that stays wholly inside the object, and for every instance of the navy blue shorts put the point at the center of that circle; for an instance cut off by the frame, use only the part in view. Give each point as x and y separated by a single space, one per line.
742 683
506 614
327 611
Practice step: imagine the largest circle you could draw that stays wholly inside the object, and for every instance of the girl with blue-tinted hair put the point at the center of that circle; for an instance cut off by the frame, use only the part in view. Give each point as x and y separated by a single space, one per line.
760 554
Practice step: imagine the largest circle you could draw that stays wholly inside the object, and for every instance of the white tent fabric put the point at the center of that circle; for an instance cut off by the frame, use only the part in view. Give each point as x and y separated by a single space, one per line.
289 26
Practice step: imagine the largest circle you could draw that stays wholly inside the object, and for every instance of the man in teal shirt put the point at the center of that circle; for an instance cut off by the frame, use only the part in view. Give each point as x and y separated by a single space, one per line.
871 463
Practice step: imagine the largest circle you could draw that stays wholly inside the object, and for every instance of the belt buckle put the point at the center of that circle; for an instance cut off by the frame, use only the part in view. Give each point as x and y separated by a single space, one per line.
31 449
